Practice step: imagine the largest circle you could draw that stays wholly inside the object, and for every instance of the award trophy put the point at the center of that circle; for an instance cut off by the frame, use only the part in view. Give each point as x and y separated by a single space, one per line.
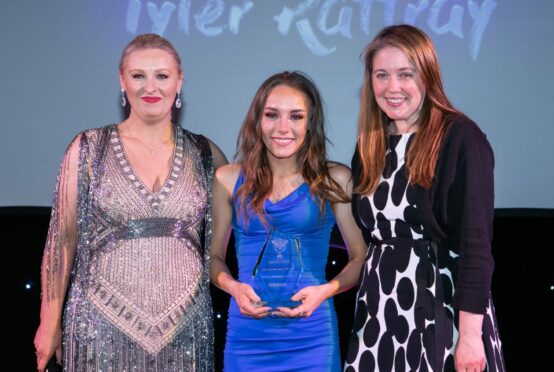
278 270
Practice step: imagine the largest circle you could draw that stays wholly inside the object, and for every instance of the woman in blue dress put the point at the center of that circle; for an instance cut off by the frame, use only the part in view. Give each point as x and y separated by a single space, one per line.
283 184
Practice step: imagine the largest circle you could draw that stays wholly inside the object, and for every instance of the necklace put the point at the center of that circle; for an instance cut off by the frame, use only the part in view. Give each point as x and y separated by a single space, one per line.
286 189
153 149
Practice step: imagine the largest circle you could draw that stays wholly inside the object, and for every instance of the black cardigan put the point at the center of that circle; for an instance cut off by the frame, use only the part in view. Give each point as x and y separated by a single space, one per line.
457 211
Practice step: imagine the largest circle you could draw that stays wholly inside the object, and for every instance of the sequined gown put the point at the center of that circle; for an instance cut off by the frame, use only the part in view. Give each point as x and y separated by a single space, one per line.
283 344
139 293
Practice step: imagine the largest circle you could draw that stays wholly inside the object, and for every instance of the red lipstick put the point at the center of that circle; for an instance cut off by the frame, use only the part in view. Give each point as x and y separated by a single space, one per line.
150 99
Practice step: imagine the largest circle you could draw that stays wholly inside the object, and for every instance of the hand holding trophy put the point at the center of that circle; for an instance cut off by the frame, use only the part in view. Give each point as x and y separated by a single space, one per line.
278 270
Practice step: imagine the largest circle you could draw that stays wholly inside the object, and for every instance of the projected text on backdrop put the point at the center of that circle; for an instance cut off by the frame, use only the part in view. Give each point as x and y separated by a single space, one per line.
316 21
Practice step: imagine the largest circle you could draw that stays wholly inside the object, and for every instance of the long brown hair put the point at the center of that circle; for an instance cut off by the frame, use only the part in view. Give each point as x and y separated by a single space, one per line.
311 157
432 120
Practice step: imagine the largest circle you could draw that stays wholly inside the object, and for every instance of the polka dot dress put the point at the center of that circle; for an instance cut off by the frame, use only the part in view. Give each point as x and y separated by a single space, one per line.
404 320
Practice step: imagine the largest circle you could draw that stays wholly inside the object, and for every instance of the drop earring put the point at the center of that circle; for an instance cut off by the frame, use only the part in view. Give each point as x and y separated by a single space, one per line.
123 100
178 100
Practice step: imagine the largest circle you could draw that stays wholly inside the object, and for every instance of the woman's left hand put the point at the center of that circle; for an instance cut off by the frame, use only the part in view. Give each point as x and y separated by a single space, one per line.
310 297
469 353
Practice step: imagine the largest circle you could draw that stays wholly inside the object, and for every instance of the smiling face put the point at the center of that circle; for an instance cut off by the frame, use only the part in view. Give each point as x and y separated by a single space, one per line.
151 78
398 89
284 122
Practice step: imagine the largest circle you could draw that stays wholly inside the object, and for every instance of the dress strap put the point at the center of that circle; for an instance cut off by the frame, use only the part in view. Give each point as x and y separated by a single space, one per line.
240 181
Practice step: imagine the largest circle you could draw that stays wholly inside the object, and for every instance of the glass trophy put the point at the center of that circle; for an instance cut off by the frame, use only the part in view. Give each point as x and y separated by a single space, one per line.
278 270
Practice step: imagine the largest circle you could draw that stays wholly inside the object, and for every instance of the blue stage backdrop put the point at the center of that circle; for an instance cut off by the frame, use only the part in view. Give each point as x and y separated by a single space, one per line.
59 61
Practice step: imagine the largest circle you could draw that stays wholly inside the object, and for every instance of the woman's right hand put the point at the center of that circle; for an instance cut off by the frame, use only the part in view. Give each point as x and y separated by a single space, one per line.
48 340
249 303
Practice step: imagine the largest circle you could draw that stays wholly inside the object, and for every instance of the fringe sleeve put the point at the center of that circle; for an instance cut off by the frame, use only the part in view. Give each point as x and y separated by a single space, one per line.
61 242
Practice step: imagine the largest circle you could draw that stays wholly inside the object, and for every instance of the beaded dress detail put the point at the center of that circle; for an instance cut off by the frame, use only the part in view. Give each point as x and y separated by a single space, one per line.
139 295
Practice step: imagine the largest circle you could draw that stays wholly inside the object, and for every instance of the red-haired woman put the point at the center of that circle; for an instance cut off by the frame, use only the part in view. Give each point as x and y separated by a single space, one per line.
423 196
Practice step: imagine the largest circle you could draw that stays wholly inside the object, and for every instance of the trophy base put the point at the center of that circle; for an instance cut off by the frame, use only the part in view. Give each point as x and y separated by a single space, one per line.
289 304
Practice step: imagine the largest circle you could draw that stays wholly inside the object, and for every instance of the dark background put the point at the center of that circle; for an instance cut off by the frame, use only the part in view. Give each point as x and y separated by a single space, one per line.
523 286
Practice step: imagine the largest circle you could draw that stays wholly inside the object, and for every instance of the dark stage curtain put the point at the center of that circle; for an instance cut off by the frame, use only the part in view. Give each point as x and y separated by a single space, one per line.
523 285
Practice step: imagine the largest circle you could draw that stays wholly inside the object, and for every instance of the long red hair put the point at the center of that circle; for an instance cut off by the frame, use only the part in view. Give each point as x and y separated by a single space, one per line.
432 120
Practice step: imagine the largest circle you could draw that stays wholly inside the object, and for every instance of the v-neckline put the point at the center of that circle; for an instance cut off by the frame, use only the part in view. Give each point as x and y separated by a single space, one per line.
154 198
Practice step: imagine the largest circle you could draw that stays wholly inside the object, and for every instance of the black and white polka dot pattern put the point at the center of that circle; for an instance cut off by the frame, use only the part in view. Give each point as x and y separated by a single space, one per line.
404 319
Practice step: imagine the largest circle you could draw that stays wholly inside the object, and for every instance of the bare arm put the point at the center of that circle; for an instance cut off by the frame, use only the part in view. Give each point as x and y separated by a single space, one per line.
57 261
224 182
221 228
351 235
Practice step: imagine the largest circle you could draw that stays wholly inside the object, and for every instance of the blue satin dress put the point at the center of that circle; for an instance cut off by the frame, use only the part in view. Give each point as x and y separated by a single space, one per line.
283 344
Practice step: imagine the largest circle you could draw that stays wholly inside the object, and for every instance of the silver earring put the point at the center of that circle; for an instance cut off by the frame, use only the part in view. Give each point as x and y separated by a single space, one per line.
123 100
178 100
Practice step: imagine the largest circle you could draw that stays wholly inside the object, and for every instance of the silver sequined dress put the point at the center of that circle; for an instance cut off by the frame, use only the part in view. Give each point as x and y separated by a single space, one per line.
139 295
